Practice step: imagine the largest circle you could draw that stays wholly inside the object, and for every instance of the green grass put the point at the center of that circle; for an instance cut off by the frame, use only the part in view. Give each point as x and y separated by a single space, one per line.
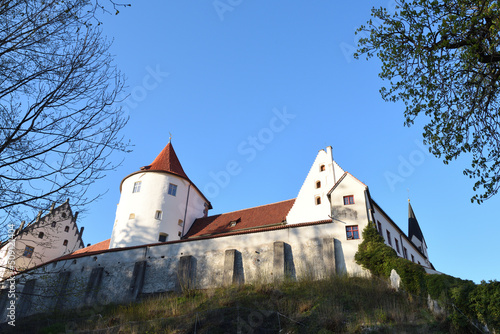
336 305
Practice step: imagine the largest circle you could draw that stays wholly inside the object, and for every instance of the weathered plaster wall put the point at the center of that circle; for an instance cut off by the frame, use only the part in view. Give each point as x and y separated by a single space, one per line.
117 276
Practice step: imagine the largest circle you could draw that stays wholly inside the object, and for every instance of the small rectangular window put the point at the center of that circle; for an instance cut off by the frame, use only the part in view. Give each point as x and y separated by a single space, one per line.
172 189
405 253
66 229
53 224
179 233
28 251
348 199
180 222
412 258
158 214
65 243
352 232
379 228
318 200
389 238
397 244
163 237
137 187
40 235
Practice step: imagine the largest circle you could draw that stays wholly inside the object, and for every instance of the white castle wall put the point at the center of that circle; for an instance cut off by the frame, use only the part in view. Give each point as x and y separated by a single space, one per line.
143 228
312 251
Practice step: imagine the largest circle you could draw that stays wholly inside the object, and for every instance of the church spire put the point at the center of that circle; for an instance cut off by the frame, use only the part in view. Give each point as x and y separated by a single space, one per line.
167 161
413 226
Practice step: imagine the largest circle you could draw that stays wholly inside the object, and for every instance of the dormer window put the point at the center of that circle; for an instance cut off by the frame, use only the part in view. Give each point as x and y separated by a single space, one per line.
322 168
318 184
137 187
233 223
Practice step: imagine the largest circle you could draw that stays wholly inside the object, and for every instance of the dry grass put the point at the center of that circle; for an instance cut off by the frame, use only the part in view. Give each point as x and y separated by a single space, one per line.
338 305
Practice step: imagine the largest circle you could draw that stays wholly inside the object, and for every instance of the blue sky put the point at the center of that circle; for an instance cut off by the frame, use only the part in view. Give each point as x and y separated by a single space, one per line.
217 73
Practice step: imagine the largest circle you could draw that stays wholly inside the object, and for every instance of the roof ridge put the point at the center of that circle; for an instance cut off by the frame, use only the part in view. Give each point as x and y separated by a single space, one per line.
254 207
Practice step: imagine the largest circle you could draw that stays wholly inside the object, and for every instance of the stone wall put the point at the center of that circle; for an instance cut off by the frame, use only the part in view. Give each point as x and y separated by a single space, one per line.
119 276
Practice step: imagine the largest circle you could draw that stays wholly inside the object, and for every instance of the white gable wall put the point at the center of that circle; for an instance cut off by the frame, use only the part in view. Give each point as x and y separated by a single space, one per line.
349 215
305 208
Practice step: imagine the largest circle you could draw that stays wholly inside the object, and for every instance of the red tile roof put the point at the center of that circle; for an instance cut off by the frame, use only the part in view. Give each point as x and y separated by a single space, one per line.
167 161
93 248
247 219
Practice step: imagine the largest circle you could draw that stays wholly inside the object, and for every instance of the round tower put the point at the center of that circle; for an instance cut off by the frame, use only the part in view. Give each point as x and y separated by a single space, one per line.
158 203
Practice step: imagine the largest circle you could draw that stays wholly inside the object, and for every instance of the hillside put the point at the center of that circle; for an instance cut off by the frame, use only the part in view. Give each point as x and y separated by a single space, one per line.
335 305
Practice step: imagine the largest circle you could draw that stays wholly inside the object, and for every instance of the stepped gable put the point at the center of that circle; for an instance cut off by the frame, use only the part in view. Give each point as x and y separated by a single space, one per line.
247 219
167 161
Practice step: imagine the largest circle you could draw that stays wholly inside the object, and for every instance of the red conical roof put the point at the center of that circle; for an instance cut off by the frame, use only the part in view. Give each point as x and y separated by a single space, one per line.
167 161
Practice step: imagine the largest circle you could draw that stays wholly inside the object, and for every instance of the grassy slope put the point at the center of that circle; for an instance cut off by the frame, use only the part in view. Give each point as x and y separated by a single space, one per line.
339 304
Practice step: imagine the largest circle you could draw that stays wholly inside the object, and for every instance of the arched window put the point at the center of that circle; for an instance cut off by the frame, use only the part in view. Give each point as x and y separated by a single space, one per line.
322 168
318 184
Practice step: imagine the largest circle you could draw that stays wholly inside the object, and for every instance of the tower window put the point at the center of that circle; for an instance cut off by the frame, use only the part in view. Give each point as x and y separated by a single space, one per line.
65 243
180 222
158 214
318 200
163 237
352 232
179 233
172 189
28 251
63 214
348 200
131 216
137 187
66 229
53 224
322 168
40 235
318 184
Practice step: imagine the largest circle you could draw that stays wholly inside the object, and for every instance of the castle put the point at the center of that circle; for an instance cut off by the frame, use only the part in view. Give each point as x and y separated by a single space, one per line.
163 240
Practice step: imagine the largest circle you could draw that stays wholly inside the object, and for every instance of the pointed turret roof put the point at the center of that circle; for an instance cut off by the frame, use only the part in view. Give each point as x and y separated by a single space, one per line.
167 161
413 227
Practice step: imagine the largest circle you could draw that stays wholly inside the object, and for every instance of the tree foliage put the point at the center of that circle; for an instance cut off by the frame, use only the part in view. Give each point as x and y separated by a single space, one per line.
442 59
58 123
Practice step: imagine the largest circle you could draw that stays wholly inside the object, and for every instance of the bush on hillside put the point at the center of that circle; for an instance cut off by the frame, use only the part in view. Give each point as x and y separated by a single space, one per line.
466 303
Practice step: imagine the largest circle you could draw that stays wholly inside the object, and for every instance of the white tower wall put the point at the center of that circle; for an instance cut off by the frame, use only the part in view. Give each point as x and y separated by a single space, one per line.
136 220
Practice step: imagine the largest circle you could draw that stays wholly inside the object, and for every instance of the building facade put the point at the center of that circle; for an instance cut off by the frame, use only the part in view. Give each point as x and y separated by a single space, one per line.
164 240
48 237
